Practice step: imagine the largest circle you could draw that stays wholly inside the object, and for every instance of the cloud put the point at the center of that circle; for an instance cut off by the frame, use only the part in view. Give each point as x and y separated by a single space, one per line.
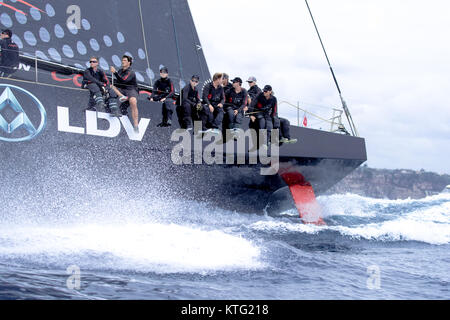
390 58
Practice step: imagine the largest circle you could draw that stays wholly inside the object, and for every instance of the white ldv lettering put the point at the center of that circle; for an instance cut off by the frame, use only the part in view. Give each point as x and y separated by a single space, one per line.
92 125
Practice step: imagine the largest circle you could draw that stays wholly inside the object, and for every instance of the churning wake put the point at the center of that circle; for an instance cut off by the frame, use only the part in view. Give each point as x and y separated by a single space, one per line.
188 237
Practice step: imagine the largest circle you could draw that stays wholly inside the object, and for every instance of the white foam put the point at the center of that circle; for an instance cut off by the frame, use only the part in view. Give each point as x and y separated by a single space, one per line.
151 247
281 226
430 224
401 229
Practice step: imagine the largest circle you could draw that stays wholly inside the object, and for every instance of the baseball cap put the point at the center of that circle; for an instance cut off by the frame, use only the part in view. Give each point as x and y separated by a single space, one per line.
267 88
164 69
251 79
237 79
195 77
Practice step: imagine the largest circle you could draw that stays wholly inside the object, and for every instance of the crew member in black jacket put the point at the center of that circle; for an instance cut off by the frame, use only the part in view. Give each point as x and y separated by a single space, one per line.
213 101
227 86
9 54
189 100
263 110
95 80
254 89
127 90
236 101
162 91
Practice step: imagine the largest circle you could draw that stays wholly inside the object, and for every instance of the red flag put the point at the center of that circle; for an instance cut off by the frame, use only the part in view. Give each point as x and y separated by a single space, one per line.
305 121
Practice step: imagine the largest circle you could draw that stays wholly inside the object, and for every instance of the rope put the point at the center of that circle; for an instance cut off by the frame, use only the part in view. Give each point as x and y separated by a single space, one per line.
176 41
344 105
145 41
306 111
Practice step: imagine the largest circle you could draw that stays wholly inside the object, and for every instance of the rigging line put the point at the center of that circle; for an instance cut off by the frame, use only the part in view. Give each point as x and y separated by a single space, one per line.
305 111
12 8
145 42
29 4
195 40
176 43
344 104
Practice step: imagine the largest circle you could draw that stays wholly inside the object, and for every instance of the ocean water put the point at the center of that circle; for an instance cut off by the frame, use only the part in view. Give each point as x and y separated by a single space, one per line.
155 249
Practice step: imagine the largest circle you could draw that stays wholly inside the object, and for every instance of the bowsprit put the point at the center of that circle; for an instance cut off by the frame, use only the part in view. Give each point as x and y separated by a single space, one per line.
17 126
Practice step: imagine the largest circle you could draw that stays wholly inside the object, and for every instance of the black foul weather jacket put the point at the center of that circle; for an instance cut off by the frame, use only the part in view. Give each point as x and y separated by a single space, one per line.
126 79
163 88
213 96
263 106
190 95
92 76
237 101
254 91
9 54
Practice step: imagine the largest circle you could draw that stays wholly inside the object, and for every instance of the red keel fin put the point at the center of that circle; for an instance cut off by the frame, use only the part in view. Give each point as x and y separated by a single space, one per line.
304 198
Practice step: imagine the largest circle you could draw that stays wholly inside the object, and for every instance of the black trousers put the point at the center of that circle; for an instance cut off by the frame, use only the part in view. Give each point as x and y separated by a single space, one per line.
284 126
167 108
265 122
96 96
234 121
184 113
211 119
167 111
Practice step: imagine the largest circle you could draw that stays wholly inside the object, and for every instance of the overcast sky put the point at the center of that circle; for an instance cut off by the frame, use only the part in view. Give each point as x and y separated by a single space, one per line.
391 58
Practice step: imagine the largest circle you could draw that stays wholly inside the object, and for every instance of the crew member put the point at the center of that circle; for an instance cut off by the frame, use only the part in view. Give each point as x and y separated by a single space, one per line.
213 101
189 100
227 86
95 80
236 101
127 90
263 110
162 91
254 89
9 54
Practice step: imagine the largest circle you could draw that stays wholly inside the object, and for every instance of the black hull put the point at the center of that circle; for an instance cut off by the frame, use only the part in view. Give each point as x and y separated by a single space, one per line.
66 166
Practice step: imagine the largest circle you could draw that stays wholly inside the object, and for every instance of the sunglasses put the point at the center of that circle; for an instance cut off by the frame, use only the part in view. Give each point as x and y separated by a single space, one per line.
93 61
195 81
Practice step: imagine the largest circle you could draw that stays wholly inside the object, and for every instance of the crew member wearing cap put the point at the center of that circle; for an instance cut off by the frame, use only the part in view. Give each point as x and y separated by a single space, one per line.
127 90
9 54
236 101
263 110
163 90
213 101
254 89
227 86
95 80
189 100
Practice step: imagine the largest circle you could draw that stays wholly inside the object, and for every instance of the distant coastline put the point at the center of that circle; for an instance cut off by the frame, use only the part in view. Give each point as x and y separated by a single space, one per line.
392 184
